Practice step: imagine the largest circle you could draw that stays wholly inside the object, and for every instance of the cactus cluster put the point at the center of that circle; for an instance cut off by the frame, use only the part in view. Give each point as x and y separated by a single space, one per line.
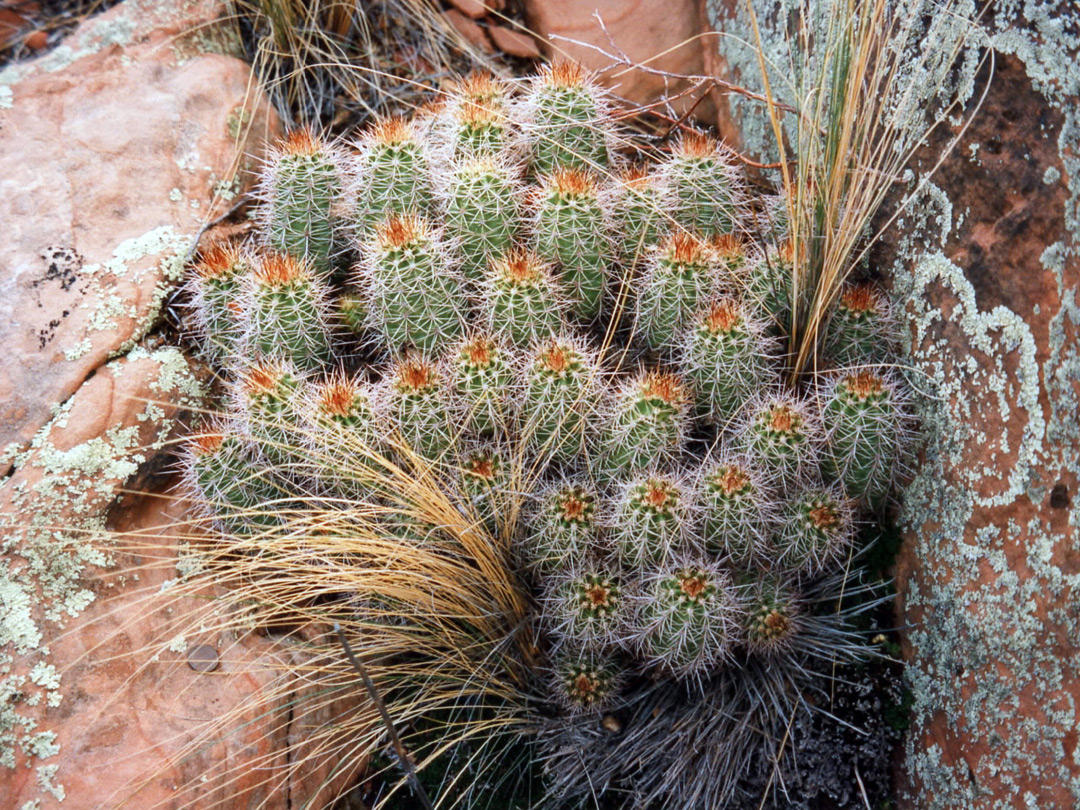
436 296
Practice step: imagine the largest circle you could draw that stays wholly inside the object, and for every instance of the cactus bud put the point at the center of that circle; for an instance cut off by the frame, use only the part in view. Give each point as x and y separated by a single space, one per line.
559 398
864 425
680 278
639 208
416 301
217 286
816 528
393 174
567 120
485 483
302 191
584 605
860 330
416 402
266 399
706 188
482 376
647 423
478 121
737 509
772 617
289 312
689 616
571 228
651 523
586 681
563 529
725 356
482 212
522 301
782 437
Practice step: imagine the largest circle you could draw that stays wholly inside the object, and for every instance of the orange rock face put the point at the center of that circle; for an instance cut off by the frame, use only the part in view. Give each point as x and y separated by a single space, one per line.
116 150
990 569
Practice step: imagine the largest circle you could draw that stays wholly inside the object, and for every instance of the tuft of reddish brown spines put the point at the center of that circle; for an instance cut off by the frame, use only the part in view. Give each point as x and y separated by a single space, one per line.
693 585
262 378
668 388
399 231
684 248
280 269
218 261
337 396
723 316
206 444
728 246
392 131
782 419
732 480
860 298
824 517
520 266
565 73
303 141
657 494
571 182
864 384
698 145
415 375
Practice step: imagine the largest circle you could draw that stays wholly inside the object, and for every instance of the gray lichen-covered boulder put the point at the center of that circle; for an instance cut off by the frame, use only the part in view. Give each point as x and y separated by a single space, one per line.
986 265
118 146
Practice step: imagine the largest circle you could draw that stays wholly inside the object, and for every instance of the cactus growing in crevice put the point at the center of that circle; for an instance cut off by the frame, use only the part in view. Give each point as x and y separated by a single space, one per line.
614 515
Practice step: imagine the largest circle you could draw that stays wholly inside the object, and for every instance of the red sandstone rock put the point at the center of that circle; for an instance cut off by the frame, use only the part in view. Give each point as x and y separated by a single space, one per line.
469 30
473 8
515 43
640 29
111 166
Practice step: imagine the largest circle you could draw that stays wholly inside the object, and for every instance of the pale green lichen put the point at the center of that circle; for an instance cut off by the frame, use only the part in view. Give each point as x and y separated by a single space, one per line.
1011 621
55 537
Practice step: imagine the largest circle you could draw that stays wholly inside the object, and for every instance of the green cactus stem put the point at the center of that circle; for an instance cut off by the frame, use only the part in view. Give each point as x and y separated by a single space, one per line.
586 681
816 527
640 211
647 422
393 174
772 617
482 376
303 191
522 301
737 510
266 399
416 400
564 528
289 311
861 329
217 284
651 521
559 398
585 606
567 120
707 191
571 227
782 437
482 212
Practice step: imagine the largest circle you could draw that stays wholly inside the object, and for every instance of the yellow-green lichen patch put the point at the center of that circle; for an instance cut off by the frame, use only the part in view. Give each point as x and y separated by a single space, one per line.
54 509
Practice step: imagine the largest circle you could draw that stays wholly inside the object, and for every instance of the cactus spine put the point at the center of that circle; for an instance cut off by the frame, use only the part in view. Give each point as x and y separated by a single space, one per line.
705 187
482 376
647 424
567 120
679 279
559 398
217 284
393 174
523 302
289 312
483 213
416 400
650 525
564 529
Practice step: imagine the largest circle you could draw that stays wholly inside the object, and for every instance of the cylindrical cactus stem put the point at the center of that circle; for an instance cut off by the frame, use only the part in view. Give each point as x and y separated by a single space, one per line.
771 620
560 396
482 205
417 300
688 618
816 528
303 193
586 680
416 400
865 428
584 605
861 329
769 283
522 301
651 522
781 434
393 174
732 257
725 356
217 289
226 480
738 508
646 422
706 188
485 477
564 527
679 279
353 312
482 376
476 121
288 311
567 120
572 227
342 430
266 399
640 211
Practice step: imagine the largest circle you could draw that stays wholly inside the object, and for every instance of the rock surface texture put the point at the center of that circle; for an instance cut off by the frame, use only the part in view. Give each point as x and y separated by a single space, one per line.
986 264
118 147
663 36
